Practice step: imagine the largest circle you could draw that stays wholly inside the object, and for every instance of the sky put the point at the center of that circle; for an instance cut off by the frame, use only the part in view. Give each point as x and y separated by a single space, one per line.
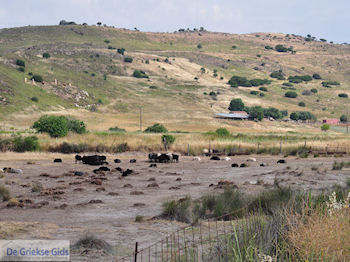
327 19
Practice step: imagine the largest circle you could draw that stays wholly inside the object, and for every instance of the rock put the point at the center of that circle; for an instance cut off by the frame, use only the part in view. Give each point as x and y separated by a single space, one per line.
136 193
100 189
196 158
78 173
113 194
153 185
132 161
128 186
95 201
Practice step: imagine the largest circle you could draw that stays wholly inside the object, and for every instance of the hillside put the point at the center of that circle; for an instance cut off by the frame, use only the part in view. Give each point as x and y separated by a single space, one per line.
86 77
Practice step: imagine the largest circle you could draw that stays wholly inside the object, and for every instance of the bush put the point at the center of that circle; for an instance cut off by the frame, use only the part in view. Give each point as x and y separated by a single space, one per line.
264 89
178 210
316 76
37 187
234 47
153 87
30 143
128 59
281 48
236 105
303 115
325 127
199 46
121 51
116 129
287 84
37 78
302 104
328 84
4 193
274 113
90 242
21 69
267 47
343 118
277 74
156 128
46 55
261 94
107 41
35 99
291 94
314 90
76 126
343 95
237 81
255 112
20 62
253 92
223 132
111 47
139 74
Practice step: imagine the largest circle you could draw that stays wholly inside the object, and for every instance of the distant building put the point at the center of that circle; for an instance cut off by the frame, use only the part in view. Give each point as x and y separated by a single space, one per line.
331 121
236 115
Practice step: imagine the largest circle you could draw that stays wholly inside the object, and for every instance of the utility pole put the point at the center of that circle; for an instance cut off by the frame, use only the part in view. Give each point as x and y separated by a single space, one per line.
140 118
347 122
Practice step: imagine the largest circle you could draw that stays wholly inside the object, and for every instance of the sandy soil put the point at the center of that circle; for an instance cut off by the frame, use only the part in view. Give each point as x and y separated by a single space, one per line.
63 209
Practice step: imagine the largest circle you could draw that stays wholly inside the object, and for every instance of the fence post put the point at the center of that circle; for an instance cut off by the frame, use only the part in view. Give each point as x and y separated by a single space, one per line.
188 149
280 147
136 244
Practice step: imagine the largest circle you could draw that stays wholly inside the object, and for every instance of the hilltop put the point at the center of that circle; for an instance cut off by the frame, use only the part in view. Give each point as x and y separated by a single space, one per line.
89 74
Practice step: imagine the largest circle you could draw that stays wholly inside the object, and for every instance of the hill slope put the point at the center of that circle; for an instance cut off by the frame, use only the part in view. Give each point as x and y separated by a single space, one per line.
86 73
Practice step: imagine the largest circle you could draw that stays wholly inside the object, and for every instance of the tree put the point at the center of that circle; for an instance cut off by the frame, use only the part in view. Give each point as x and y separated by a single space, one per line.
46 55
236 105
167 141
343 118
325 127
202 70
301 104
294 116
55 126
199 46
255 113
156 128
29 143
291 94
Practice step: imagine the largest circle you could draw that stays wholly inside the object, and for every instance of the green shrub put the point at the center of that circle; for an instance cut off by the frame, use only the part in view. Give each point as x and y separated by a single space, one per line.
199 46
298 79
314 90
254 92
236 105
37 78
121 51
76 126
111 47
178 210
325 127
343 118
287 84
303 115
153 87
234 47
30 143
291 94
37 187
255 112
156 128
117 129
20 62
261 94
128 59
316 76
35 99
277 74
140 74
267 47
302 104
343 95
223 132
4 194
107 41
328 84
281 48
46 55
264 89
21 69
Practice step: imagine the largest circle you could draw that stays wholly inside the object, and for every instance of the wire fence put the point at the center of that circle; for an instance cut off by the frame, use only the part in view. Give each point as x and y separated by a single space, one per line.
192 243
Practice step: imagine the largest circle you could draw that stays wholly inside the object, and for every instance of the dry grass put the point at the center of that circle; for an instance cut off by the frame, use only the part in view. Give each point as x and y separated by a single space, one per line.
321 237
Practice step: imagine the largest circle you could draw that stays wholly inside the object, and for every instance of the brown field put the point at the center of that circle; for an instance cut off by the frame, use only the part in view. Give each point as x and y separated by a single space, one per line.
62 210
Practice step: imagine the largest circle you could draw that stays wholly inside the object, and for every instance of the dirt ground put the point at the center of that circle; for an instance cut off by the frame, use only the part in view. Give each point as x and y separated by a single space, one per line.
106 204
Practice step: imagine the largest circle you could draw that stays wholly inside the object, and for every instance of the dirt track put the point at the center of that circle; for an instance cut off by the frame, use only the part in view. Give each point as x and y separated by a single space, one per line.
64 212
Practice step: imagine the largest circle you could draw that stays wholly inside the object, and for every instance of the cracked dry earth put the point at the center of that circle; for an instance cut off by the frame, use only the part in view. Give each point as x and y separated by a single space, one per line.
106 204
